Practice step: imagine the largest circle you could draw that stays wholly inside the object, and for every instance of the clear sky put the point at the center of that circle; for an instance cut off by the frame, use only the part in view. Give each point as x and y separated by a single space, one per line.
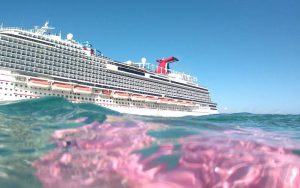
247 52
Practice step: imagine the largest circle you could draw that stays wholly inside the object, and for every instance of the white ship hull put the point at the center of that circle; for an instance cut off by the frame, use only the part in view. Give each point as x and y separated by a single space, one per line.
16 87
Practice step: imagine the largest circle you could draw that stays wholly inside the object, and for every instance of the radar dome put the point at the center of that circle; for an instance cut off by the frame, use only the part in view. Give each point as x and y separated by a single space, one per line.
143 60
70 36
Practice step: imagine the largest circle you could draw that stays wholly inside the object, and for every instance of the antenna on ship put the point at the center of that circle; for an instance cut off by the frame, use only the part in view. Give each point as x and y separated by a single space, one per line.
143 61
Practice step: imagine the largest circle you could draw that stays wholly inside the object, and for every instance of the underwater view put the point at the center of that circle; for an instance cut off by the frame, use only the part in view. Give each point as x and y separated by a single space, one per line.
51 142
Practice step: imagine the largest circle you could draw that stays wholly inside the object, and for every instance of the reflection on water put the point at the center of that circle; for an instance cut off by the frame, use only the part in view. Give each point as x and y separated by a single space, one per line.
53 143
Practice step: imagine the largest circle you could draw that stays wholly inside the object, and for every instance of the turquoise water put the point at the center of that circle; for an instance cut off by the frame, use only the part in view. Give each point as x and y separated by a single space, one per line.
51 142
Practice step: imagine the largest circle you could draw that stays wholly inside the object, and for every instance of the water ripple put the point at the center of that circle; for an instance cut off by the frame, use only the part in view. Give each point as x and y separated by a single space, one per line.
50 142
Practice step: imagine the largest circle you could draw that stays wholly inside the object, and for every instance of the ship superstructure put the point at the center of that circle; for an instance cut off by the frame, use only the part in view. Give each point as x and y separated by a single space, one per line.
35 63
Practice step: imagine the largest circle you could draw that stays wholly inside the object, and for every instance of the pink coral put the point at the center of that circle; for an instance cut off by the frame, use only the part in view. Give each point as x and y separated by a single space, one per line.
103 155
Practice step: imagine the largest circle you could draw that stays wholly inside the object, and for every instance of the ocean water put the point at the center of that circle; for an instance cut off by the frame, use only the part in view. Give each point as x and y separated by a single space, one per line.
50 142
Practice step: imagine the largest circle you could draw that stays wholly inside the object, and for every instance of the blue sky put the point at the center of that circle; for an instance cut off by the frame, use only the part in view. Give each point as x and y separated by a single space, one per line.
247 52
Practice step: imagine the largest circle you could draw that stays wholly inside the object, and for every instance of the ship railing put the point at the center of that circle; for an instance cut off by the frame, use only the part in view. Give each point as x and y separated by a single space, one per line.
19 29
16 28
11 28
168 72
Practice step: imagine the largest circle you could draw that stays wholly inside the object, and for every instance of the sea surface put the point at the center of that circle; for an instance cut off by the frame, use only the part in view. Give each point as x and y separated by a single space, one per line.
50 142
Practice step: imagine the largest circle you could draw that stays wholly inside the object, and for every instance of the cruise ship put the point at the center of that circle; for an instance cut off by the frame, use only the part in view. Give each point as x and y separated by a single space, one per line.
35 63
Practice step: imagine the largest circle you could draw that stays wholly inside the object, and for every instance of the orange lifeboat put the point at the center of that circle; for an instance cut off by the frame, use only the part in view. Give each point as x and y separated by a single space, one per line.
62 86
182 103
151 99
163 100
106 92
137 97
188 103
121 95
82 89
185 103
33 82
172 101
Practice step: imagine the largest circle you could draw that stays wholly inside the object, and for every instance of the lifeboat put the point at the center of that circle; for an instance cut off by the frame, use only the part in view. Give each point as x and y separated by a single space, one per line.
62 86
137 97
82 89
188 103
151 99
106 92
185 103
32 82
121 95
172 101
163 100
181 103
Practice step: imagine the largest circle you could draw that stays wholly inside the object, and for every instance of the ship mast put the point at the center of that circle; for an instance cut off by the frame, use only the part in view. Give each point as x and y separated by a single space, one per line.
44 28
